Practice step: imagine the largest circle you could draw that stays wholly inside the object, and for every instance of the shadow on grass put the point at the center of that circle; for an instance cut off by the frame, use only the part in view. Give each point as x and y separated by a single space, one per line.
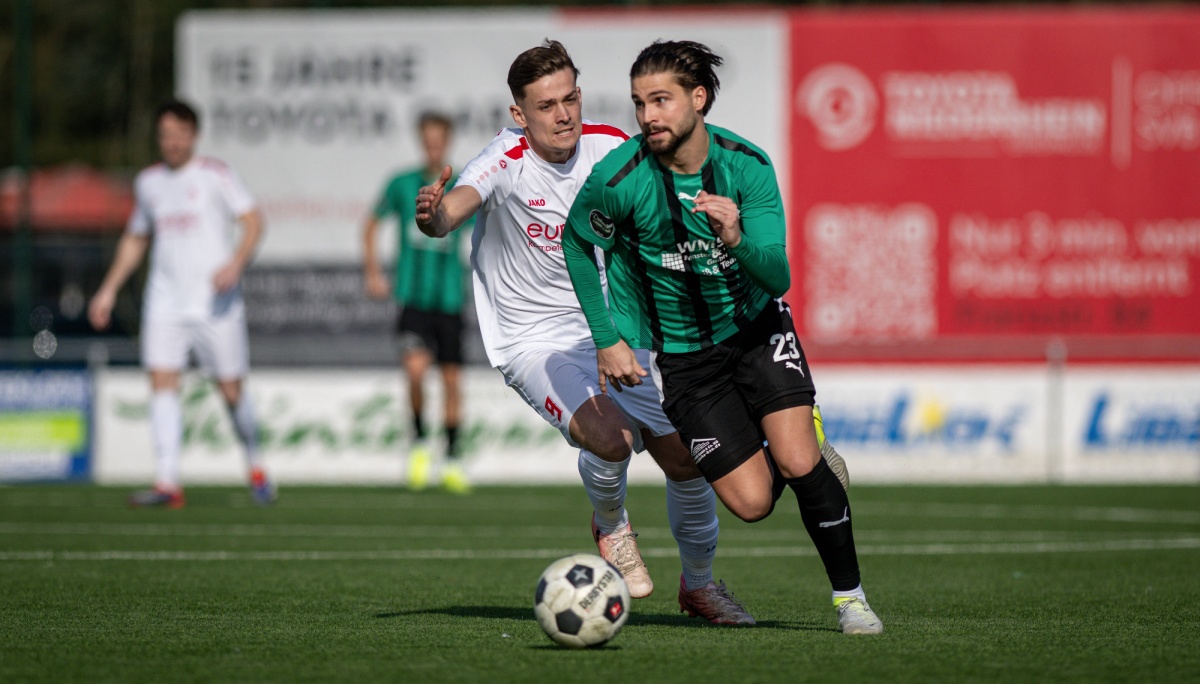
660 619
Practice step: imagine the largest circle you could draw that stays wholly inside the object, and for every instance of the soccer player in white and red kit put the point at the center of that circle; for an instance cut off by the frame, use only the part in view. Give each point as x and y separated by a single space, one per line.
520 189
193 300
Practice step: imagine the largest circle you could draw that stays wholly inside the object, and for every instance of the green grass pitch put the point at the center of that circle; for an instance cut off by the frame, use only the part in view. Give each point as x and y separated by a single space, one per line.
974 584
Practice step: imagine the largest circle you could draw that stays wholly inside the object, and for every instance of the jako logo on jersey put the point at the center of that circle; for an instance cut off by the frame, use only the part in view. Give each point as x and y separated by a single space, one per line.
539 202
703 447
553 409
602 224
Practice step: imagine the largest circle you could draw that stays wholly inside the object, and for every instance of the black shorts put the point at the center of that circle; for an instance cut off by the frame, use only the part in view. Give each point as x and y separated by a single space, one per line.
717 397
440 333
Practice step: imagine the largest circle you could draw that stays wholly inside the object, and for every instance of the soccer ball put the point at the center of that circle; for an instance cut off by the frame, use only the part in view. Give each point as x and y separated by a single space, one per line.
581 601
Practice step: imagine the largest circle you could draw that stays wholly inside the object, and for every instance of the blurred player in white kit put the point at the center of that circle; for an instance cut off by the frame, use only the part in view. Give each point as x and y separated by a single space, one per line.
193 299
522 186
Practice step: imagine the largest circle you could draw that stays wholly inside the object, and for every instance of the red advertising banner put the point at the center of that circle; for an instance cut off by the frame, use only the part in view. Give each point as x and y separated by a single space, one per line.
995 177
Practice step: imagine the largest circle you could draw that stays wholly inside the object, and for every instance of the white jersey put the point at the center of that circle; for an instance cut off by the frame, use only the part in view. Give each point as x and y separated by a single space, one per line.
191 211
523 294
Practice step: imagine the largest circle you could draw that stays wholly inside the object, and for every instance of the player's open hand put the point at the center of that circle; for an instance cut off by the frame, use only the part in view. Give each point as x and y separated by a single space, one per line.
429 198
723 216
100 309
226 278
619 365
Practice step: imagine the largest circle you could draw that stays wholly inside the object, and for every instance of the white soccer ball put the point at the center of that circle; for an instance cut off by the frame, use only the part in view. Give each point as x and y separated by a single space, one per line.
581 601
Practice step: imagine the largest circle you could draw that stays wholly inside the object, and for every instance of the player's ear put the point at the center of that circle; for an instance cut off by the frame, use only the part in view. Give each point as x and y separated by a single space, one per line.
699 98
517 115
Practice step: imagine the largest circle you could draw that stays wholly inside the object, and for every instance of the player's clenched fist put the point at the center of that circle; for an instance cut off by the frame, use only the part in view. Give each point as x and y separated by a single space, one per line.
429 198
723 216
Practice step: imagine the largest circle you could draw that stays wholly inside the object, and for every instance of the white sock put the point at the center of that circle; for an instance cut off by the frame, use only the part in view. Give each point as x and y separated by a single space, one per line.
166 426
692 510
246 426
605 486
856 592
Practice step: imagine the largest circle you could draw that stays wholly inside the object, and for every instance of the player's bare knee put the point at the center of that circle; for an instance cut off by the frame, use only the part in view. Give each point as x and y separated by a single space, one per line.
680 471
613 446
753 511
798 466
231 392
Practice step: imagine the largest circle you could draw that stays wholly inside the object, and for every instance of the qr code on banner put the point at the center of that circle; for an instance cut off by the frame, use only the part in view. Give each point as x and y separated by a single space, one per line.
871 272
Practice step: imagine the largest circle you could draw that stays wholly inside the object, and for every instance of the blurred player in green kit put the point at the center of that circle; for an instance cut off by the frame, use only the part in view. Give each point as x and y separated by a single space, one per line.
428 287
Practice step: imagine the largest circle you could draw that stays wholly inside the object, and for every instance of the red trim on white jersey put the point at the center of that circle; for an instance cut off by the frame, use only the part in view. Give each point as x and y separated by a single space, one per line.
603 129
519 151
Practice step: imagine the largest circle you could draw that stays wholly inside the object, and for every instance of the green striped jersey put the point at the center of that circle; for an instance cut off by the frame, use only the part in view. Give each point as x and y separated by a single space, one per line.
429 271
673 285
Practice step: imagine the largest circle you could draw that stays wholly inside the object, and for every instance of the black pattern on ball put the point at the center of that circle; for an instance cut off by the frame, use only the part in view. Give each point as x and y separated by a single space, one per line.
568 622
615 609
541 591
580 576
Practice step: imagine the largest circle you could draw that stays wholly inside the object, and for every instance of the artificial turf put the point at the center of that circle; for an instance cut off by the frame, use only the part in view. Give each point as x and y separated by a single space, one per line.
1015 584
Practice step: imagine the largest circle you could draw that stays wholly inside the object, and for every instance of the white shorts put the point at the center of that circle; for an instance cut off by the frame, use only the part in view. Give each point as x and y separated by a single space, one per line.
220 344
555 383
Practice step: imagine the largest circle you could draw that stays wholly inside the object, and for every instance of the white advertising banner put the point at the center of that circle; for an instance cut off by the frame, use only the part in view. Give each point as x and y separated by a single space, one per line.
333 426
934 424
893 424
1132 424
317 109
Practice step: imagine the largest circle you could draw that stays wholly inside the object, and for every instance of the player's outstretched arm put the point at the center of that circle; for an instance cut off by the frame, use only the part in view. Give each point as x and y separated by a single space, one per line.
440 213
130 251
615 361
228 276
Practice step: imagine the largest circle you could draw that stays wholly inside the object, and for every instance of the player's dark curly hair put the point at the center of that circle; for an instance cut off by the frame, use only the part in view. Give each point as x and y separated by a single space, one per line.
692 63
535 63
180 110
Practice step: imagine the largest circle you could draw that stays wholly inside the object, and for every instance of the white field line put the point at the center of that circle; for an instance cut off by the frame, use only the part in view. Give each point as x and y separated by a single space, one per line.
735 533
491 501
1025 512
744 552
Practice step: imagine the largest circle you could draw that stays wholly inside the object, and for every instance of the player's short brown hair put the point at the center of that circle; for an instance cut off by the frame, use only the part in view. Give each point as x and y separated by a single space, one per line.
178 109
548 58
430 117
693 64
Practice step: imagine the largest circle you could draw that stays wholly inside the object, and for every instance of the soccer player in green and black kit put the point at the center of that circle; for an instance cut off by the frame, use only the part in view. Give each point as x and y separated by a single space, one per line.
691 222
429 289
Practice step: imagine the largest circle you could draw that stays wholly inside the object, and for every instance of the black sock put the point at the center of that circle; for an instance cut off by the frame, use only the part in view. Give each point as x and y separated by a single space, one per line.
452 442
418 426
825 509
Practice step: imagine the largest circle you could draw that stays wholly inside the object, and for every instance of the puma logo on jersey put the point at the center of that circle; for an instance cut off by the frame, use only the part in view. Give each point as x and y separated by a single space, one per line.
835 523
690 198
789 364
